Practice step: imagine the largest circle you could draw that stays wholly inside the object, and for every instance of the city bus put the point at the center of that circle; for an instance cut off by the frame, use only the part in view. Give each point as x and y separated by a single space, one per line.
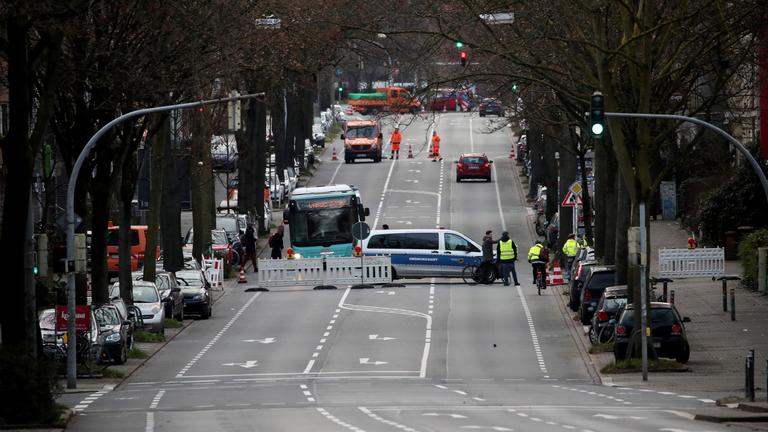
320 220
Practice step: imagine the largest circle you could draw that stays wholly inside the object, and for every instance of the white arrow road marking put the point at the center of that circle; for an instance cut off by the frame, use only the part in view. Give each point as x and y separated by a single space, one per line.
366 361
248 364
416 171
412 202
615 417
266 340
411 181
456 416
496 428
376 337
405 222
385 292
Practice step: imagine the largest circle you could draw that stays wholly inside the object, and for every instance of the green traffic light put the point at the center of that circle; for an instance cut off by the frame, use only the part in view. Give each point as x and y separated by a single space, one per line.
459 44
35 270
515 87
341 89
597 129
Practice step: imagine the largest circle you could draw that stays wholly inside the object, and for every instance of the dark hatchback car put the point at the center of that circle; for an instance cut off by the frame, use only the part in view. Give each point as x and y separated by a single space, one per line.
668 336
613 299
473 166
115 334
170 293
578 277
598 278
491 107
196 290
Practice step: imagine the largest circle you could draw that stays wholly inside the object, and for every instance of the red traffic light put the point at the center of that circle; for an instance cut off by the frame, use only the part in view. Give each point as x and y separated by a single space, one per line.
199 109
463 57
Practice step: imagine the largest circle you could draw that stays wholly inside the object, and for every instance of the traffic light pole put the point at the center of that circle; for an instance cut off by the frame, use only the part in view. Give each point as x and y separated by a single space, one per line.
70 263
645 333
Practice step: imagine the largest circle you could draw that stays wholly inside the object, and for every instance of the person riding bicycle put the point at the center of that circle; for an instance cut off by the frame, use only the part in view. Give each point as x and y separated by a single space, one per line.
538 256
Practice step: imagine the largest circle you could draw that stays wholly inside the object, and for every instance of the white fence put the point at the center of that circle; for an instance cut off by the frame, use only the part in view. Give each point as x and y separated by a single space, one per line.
691 263
214 270
324 271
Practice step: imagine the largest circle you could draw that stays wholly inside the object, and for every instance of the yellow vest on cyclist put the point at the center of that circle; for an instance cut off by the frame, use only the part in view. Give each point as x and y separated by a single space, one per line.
533 252
570 247
507 250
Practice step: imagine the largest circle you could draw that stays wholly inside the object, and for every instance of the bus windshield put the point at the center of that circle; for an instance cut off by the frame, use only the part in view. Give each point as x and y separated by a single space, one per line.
322 226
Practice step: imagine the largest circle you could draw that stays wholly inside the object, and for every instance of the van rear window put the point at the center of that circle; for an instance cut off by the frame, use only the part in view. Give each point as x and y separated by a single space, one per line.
113 239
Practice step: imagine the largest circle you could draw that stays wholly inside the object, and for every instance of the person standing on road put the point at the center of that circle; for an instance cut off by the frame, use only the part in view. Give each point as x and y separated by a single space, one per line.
488 243
507 253
276 243
395 140
570 248
249 241
435 146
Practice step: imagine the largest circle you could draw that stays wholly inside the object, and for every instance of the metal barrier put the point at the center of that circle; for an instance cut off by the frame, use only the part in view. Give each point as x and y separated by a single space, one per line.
691 263
324 271
214 270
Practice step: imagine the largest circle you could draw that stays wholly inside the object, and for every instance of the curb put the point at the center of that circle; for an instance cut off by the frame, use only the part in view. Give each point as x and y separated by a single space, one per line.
725 418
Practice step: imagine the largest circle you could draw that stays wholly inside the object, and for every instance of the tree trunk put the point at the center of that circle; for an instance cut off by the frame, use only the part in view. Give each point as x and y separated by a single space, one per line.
622 219
201 175
170 211
158 144
567 176
260 138
128 179
100 198
278 130
247 194
586 199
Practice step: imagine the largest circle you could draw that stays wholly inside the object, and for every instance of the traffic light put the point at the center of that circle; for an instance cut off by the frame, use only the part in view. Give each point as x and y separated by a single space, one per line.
463 57
199 109
597 114
459 44
515 87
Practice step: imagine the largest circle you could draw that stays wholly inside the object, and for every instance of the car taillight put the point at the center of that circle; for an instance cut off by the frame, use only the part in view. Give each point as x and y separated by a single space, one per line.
676 329
486 165
460 165
602 316
578 272
587 295
140 255
620 330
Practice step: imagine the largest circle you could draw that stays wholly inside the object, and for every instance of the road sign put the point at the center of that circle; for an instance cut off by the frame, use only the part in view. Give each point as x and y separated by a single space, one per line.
571 200
82 318
361 230
575 188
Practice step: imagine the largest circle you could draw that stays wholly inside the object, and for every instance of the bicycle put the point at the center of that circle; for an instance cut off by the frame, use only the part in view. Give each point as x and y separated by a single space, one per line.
541 280
484 273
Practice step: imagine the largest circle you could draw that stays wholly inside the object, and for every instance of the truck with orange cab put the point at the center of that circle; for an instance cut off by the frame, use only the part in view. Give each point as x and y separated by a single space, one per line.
362 140
387 99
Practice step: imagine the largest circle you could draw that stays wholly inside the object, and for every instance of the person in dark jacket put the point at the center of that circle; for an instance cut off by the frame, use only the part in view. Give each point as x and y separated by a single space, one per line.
249 242
276 243
507 253
488 242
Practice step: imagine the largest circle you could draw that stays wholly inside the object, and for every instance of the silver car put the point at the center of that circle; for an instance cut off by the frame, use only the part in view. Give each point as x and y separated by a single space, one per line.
147 299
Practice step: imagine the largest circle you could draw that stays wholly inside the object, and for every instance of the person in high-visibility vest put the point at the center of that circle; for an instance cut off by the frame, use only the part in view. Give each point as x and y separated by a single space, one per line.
507 253
570 248
538 256
395 139
435 146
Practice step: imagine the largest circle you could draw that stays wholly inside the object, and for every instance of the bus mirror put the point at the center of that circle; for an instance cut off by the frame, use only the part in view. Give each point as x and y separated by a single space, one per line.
367 211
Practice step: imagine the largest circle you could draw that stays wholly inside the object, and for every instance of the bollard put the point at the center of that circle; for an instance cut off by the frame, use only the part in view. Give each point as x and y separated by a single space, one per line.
725 295
672 296
749 376
733 304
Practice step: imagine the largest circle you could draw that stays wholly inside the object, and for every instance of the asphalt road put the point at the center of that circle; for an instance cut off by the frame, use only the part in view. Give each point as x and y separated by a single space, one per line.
435 355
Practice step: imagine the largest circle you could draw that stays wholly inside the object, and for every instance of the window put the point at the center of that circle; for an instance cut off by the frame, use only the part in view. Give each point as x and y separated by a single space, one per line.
473 160
377 242
454 242
600 280
145 294
420 241
361 132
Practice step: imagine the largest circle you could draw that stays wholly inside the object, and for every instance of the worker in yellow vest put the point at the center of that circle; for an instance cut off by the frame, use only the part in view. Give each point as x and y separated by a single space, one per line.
507 253
570 248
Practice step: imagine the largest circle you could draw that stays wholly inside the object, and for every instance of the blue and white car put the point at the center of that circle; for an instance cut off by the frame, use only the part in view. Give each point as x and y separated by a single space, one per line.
421 253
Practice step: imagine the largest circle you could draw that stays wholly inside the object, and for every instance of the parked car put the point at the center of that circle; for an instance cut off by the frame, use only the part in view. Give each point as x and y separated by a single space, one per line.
553 229
598 278
221 247
170 293
234 226
224 156
577 281
147 298
668 335
190 263
115 334
196 290
138 248
490 106
473 165
55 342
318 135
612 300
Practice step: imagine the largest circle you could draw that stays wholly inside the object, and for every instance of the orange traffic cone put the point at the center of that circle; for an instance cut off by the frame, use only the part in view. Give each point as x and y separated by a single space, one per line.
512 152
333 156
410 152
557 276
242 275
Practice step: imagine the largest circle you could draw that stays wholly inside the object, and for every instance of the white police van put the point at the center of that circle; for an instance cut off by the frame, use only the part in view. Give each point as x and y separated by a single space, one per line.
420 253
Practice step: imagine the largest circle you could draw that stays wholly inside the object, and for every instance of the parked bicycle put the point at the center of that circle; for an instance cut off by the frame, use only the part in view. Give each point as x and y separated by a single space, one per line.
486 273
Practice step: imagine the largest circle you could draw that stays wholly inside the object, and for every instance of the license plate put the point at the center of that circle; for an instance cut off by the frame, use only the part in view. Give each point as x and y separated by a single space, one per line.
472 167
657 344
115 256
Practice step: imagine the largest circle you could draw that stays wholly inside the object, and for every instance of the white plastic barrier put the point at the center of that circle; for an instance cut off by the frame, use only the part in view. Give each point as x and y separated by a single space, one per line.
324 271
691 263
214 270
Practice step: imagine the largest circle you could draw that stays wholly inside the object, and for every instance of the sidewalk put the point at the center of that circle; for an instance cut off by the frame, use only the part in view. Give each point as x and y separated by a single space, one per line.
718 345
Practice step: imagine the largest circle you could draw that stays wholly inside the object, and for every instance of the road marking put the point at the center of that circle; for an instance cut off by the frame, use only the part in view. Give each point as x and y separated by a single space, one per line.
498 198
532 330
333 177
88 400
156 399
338 421
308 369
380 419
150 427
367 361
383 338
383 195
471 137
616 417
215 339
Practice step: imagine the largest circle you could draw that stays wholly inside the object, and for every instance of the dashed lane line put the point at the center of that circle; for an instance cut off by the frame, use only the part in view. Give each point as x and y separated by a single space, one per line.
380 419
532 330
338 421
156 399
